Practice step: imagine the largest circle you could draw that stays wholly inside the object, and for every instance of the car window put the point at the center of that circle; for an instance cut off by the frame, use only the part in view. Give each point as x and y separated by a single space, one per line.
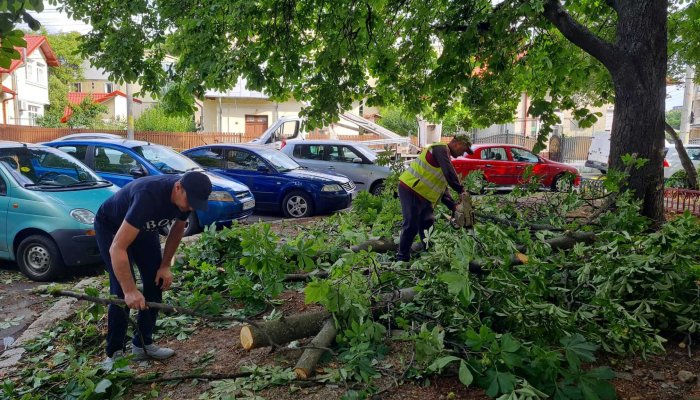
166 160
46 168
237 159
309 151
3 187
494 153
693 153
208 157
113 161
77 151
338 153
288 130
523 155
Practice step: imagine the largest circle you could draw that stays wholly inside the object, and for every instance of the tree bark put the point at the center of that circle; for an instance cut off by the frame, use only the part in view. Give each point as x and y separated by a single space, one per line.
304 368
637 62
640 93
283 330
688 166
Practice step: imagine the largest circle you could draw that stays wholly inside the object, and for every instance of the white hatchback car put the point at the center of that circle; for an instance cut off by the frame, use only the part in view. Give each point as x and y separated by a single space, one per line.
354 160
674 161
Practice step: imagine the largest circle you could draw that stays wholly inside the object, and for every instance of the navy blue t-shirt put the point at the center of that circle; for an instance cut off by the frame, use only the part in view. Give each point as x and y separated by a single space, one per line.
144 203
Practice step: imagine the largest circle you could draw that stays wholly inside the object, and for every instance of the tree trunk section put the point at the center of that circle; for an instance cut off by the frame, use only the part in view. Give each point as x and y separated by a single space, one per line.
688 166
638 73
308 360
283 330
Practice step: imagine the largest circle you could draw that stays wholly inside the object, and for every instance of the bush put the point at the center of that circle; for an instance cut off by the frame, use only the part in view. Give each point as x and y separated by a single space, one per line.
157 119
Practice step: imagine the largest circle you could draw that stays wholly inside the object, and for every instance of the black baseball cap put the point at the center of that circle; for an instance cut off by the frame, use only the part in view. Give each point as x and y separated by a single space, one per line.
198 188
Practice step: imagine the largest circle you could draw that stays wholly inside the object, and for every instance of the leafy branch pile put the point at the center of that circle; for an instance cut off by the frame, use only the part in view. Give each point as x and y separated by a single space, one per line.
517 331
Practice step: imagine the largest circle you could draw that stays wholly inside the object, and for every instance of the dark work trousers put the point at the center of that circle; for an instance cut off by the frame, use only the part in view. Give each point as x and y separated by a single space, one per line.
146 254
417 217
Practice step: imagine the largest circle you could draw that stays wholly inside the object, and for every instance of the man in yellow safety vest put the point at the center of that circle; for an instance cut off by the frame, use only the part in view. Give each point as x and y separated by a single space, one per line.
423 185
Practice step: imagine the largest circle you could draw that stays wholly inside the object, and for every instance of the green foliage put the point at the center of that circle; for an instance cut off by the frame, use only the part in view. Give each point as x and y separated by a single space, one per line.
157 119
673 118
397 121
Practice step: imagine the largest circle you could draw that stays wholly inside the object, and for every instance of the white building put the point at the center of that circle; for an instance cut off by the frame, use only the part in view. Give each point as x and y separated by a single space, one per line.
25 84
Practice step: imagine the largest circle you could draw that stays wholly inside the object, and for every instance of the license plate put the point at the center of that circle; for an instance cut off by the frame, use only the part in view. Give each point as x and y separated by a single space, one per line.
248 205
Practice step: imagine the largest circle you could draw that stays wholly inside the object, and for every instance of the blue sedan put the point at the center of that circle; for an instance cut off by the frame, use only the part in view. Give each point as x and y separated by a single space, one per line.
277 181
121 161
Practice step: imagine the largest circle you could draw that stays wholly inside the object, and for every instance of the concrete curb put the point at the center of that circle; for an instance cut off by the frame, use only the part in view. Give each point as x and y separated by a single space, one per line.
61 310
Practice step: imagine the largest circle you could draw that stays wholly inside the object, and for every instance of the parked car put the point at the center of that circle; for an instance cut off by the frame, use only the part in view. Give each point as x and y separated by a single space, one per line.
48 202
83 136
504 165
599 152
354 160
673 161
121 161
277 181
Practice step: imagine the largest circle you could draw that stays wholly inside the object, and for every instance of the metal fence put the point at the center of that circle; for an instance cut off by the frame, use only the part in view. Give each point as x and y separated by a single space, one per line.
681 200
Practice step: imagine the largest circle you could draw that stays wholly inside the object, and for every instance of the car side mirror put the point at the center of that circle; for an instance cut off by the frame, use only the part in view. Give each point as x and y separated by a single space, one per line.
137 172
357 160
263 168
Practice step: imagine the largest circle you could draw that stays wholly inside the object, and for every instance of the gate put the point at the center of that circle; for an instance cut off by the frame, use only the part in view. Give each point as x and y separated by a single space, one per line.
555 148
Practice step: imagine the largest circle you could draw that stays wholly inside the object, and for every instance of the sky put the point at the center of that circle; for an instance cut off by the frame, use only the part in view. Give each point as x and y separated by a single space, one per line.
55 22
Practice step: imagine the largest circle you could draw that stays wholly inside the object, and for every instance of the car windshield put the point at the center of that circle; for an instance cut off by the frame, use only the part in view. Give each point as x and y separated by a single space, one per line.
367 152
47 169
279 160
166 160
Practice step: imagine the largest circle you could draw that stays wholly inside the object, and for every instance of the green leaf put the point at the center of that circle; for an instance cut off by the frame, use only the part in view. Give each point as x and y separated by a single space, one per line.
316 291
441 362
578 350
465 375
103 386
456 282
499 382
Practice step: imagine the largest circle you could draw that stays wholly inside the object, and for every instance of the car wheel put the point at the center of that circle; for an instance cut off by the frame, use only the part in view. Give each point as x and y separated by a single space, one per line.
192 224
297 204
561 184
38 257
378 188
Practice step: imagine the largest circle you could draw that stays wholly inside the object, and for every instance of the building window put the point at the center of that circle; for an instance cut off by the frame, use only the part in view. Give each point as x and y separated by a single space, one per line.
92 86
30 72
109 87
40 68
609 119
32 113
77 87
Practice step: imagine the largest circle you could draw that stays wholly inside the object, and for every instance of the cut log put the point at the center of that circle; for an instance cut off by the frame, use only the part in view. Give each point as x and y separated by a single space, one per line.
283 330
305 276
300 326
308 360
381 245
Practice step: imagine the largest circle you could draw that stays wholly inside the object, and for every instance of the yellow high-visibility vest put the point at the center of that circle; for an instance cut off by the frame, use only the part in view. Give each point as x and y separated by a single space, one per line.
423 178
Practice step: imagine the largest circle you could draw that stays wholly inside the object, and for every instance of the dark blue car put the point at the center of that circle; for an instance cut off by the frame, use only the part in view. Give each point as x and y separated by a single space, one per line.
277 181
121 161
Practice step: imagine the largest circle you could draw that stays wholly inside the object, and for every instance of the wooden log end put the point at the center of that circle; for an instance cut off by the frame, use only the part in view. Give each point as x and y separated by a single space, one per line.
303 373
247 337
522 257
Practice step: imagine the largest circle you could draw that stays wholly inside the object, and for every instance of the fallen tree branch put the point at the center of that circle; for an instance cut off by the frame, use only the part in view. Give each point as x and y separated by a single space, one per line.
609 201
283 330
502 221
300 277
149 304
208 377
304 368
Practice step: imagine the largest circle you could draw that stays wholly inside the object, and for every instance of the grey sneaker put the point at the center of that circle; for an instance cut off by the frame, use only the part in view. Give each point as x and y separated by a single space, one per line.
151 351
108 363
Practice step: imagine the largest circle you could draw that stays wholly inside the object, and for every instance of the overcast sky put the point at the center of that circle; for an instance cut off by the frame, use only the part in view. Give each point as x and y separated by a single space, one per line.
56 22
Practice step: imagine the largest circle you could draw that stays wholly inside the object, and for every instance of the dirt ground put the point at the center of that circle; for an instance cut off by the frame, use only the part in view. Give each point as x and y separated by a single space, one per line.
636 379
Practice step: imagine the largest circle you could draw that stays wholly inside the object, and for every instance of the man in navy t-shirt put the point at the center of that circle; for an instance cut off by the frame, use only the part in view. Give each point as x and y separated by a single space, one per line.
127 226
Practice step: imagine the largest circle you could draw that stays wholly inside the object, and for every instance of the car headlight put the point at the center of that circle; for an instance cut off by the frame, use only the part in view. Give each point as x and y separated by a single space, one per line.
220 196
83 216
331 188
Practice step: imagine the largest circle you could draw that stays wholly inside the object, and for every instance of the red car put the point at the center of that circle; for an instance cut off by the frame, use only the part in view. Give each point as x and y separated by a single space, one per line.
504 164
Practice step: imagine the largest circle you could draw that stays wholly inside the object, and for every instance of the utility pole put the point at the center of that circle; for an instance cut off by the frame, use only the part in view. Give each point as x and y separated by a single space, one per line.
129 112
687 104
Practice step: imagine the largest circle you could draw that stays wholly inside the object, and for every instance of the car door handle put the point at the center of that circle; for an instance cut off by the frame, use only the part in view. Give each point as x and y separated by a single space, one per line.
488 165
331 167
518 166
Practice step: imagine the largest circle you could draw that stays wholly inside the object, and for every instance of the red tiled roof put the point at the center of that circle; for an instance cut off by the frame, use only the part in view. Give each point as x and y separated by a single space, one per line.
6 89
33 42
78 97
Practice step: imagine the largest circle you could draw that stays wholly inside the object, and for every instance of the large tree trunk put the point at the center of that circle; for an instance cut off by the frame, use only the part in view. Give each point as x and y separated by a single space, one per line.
637 62
639 73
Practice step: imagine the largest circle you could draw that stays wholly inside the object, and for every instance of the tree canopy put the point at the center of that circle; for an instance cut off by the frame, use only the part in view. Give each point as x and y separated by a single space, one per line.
424 56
